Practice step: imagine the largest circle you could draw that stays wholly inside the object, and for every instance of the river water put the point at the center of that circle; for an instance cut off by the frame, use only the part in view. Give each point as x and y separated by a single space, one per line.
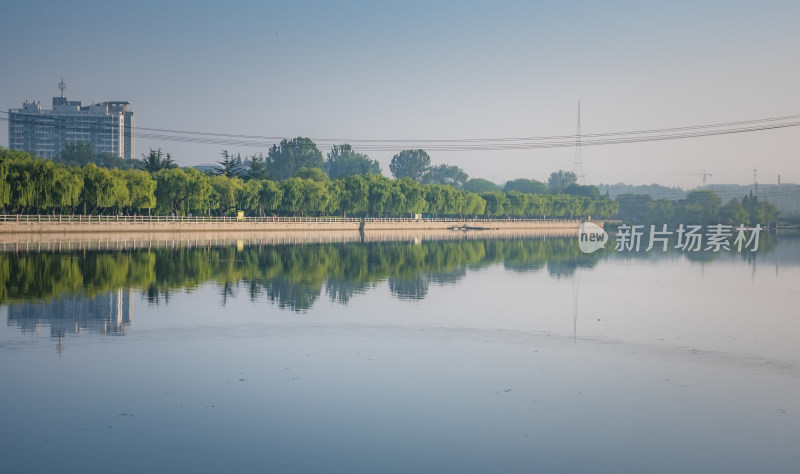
470 354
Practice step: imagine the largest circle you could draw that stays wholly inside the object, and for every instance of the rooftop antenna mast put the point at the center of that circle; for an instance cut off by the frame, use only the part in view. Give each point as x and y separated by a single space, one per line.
62 86
578 164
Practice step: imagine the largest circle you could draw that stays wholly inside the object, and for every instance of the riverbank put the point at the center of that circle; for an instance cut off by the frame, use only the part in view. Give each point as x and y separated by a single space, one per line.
47 242
150 225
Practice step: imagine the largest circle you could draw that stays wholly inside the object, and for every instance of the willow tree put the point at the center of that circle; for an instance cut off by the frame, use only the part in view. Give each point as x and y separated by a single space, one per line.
5 186
226 193
354 195
270 196
102 189
141 189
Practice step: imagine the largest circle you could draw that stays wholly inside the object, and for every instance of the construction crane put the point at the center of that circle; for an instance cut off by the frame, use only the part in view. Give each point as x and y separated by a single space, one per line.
703 174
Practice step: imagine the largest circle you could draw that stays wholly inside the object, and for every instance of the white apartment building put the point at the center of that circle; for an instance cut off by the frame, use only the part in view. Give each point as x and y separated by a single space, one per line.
108 126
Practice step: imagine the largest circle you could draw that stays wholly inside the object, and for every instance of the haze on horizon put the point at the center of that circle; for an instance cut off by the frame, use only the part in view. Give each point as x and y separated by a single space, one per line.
433 70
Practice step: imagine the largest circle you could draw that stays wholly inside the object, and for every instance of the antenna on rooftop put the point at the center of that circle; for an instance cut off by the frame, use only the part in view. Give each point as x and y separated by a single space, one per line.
62 86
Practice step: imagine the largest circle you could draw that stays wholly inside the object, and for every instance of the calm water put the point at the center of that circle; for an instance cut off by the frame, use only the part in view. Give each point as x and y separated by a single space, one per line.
466 355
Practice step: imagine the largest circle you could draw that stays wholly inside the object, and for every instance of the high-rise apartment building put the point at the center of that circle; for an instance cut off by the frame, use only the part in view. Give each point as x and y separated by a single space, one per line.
108 126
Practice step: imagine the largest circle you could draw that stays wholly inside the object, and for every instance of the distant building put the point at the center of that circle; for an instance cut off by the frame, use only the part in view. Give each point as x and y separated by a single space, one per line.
108 126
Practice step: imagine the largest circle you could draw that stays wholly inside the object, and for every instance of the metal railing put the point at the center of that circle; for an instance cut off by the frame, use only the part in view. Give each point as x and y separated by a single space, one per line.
60 218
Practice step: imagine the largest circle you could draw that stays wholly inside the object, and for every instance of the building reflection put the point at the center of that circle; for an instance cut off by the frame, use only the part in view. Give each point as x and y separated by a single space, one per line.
105 313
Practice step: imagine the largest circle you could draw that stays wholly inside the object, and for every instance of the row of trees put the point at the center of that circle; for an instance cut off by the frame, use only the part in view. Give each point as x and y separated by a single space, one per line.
285 159
31 185
699 207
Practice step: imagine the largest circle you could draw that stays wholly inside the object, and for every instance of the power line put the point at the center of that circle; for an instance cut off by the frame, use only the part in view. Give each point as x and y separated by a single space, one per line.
462 144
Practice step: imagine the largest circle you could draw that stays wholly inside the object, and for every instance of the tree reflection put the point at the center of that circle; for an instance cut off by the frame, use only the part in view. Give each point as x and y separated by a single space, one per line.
294 276
409 289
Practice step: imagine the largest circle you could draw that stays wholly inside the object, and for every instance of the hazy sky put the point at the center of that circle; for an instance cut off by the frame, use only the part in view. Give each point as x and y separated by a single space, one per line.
432 70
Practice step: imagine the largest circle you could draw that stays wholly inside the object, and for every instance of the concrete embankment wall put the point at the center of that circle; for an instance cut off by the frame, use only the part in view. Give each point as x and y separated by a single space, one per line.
21 242
189 226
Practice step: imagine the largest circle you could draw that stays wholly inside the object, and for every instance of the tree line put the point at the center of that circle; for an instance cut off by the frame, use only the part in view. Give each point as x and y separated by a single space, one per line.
699 207
290 180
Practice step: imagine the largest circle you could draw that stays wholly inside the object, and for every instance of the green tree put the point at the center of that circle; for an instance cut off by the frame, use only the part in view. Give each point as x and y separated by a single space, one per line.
455 201
141 189
285 159
270 196
332 202
565 206
576 189
226 193
413 197
436 199
703 205
257 167
67 186
315 199
411 164
395 199
380 189
199 191
102 189
446 175
760 212
5 185
525 186
537 205
248 198
734 213
342 161
634 207
516 204
230 166
77 154
293 198
171 187
22 184
354 197
559 180
661 211
314 174
605 208
57 187
156 161
480 185
474 205
178 191
495 203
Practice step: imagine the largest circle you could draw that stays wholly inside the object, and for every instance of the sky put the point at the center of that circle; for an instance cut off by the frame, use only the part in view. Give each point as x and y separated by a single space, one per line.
414 71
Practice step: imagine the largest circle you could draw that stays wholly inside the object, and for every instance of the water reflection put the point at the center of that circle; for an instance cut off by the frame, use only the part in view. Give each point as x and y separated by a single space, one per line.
292 276
105 313
513 350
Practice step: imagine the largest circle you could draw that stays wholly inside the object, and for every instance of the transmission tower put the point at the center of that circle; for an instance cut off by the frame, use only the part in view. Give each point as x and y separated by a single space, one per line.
755 182
578 164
